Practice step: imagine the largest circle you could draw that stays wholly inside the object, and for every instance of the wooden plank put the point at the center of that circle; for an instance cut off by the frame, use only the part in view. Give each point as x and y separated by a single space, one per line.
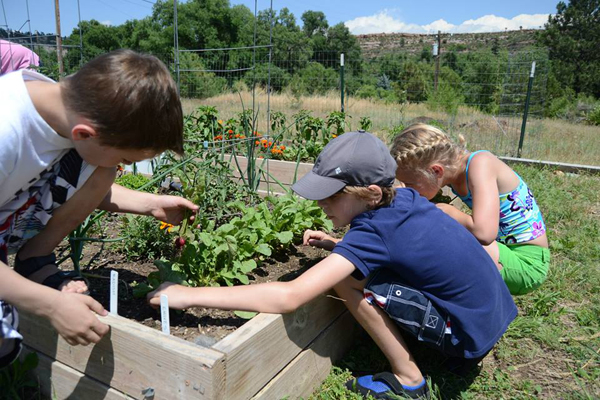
282 171
565 167
133 357
301 377
59 381
258 350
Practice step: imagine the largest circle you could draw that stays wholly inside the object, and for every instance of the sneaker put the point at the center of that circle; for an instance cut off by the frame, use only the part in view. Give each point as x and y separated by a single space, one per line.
385 385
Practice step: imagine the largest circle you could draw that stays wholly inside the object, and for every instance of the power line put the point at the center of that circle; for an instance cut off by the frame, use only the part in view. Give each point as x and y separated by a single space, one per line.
137 4
116 9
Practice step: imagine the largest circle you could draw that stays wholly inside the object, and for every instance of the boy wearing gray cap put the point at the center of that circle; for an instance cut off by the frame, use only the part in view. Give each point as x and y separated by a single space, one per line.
403 266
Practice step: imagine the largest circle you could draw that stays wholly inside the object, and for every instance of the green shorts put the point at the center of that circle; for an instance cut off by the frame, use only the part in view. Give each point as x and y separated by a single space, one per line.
524 266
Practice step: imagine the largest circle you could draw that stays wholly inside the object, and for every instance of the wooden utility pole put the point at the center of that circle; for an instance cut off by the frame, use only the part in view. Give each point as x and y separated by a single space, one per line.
61 67
438 49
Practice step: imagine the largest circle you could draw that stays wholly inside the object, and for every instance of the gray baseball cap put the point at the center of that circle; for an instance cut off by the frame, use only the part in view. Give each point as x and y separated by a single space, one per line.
352 159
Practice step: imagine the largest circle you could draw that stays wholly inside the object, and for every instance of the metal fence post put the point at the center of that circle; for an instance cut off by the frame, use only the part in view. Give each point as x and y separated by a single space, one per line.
176 40
526 111
342 78
436 53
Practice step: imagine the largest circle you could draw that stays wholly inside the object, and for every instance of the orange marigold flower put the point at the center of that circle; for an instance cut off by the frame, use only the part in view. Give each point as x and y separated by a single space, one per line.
230 131
237 135
270 143
242 137
282 147
257 143
164 225
220 122
120 167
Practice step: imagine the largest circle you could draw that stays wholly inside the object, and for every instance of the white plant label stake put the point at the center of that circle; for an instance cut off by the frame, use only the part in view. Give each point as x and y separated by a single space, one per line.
114 291
164 314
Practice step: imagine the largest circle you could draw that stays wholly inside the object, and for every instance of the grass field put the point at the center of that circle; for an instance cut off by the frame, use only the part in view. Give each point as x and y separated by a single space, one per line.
545 139
552 349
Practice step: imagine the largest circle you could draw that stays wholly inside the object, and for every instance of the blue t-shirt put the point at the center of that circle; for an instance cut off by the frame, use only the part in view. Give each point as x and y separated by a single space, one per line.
434 254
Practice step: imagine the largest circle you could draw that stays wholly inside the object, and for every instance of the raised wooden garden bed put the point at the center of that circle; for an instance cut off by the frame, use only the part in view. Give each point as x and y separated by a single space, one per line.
271 356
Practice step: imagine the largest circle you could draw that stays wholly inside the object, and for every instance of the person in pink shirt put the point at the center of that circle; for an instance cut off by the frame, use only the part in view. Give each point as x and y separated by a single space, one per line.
14 57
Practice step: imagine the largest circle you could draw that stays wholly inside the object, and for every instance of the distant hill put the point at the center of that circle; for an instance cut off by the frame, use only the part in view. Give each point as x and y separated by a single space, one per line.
379 43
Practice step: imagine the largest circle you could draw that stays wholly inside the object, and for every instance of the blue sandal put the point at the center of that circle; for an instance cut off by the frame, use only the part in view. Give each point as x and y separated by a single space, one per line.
385 385
30 266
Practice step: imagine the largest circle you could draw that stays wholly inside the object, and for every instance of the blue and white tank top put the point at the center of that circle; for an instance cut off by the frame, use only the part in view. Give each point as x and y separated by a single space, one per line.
520 217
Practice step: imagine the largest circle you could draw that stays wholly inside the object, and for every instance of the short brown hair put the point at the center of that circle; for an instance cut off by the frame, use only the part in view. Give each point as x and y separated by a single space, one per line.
388 194
130 99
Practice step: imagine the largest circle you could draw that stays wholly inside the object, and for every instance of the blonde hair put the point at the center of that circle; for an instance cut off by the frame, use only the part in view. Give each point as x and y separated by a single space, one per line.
421 145
388 194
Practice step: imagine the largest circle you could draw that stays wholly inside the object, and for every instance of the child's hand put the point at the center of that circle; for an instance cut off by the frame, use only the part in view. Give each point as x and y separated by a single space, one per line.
319 239
171 209
71 315
177 296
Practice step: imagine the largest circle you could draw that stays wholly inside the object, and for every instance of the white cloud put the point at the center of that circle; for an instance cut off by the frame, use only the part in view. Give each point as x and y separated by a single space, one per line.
379 23
383 22
106 23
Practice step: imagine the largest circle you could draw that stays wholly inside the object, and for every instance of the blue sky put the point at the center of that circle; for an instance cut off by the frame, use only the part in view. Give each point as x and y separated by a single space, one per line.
360 16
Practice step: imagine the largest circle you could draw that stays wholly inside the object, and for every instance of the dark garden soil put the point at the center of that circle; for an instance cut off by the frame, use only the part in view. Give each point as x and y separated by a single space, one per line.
203 326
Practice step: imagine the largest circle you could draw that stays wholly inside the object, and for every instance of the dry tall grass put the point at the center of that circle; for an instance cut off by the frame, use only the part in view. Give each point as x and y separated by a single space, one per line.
545 139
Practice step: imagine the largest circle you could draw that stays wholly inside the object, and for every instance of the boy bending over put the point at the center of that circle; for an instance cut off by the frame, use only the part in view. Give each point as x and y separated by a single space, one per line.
404 267
61 143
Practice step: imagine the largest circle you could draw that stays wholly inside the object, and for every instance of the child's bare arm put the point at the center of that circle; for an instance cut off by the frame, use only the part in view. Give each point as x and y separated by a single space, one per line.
319 239
463 218
70 314
165 208
272 297
483 184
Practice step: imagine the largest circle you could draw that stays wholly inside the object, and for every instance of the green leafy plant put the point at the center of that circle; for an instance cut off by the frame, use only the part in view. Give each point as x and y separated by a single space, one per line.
365 123
134 181
228 253
336 125
15 379
145 238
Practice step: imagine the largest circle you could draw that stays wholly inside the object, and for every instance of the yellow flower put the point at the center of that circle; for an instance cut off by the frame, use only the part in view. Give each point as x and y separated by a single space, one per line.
220 122
164 225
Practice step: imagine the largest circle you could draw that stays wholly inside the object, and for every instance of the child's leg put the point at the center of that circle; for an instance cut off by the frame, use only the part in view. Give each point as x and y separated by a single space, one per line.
494 252
382 329
64 220
525 266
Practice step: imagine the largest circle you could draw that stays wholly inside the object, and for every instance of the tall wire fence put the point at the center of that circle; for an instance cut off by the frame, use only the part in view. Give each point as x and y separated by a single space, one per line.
481 95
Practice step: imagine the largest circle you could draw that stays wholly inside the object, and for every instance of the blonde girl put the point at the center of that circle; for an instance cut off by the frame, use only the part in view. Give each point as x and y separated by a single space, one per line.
505 217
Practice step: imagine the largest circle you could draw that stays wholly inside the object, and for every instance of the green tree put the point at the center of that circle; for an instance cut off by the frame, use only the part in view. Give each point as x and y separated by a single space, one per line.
572 35
314 23
97 39
315 79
